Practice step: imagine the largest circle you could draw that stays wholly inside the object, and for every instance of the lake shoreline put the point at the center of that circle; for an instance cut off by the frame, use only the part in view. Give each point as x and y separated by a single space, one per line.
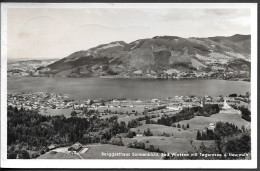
96 88
142 78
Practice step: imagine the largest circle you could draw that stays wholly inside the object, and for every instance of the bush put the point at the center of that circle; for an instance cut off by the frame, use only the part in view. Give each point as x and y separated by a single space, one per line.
131 134
116 141
24 155
42 152
233 95
138 145
148 132
35 155
53 152
183 127
103 141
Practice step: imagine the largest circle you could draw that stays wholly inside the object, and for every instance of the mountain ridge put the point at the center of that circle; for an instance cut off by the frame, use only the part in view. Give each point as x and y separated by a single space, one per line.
153 55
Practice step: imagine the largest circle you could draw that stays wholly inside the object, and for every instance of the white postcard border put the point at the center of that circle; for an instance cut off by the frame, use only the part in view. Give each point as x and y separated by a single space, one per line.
18 163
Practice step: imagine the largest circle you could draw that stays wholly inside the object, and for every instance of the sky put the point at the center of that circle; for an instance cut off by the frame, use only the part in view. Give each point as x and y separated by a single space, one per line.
58 32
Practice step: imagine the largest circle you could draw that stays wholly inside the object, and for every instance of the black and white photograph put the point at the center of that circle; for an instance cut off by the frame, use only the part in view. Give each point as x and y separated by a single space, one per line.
129 85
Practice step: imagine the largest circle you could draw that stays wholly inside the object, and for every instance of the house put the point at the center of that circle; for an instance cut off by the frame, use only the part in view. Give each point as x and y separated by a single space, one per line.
51 147
139 135
75 147
174 108
211 126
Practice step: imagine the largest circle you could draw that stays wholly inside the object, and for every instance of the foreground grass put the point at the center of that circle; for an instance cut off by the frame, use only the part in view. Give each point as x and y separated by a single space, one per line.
95 152
169 144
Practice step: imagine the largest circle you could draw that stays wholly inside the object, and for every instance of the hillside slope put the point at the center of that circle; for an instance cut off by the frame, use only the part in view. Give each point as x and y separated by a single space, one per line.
153 56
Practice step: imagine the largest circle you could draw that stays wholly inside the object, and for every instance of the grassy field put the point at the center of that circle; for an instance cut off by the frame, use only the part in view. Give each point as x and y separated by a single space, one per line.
58 155
158 130
169 144
196 63
127 118
110 115
138 108
54 112
96 151
179 140
196 123
199 122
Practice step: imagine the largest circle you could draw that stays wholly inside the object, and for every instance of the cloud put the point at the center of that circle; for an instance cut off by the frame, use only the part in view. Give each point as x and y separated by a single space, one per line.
243 21
45 32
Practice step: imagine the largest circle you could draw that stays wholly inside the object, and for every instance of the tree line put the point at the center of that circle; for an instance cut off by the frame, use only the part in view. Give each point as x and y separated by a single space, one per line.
228 139
222 129
245 112
188 113
29 131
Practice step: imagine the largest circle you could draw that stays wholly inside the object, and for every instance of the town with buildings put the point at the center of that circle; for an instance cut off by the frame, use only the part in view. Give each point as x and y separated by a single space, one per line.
44 101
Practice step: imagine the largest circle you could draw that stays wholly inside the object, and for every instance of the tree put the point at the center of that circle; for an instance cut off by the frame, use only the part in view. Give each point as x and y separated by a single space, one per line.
91 102
73 113
151 148
131 134
148 121
178 125
203 136
183 127
130 145
148 132
210 134
246 114
35 155
15 110
243 128
239 144
188 126
233 95
11 155
198 135
117 141
23 155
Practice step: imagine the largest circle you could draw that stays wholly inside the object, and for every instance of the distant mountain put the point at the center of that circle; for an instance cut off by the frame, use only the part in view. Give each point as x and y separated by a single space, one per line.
29 61
153 56
26 67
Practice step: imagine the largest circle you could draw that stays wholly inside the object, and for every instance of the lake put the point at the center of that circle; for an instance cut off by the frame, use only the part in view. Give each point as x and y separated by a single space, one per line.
94 88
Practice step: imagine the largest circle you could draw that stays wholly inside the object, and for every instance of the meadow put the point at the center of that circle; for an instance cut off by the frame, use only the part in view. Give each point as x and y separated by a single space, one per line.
169 144
54 112
196 123
95 152
58 155
173 139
